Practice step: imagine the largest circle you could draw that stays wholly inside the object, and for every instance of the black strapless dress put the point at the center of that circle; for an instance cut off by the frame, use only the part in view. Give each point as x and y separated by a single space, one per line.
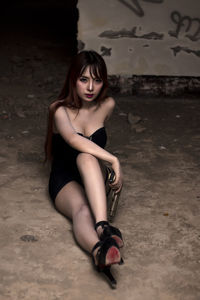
64 168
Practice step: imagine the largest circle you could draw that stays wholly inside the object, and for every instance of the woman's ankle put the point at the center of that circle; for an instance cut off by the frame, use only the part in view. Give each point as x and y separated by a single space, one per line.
100 226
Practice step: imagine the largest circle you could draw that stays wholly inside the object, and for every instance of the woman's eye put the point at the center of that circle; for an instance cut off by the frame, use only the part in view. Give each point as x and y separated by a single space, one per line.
82 79
98 80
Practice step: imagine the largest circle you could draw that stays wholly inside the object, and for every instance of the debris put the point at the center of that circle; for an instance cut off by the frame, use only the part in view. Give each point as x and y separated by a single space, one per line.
133 119
25 132
162 148
140 129
28 238
178 116
30 96
10 137
20 114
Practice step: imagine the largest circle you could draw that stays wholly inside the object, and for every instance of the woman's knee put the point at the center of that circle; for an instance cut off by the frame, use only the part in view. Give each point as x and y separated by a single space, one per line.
83 211
86 159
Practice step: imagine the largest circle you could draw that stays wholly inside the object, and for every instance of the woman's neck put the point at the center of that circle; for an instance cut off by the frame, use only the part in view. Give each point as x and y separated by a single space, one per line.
88 105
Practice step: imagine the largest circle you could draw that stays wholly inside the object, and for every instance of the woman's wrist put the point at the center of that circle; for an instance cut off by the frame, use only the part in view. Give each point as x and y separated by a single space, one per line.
114 160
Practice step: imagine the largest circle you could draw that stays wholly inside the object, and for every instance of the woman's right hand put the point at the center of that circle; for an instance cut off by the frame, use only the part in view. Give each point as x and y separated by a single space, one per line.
118 182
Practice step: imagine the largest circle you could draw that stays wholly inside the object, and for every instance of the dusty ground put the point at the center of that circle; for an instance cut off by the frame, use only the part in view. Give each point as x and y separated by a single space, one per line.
159 208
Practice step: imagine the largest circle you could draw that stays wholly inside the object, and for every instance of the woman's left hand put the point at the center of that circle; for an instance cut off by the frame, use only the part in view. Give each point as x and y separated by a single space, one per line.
118 182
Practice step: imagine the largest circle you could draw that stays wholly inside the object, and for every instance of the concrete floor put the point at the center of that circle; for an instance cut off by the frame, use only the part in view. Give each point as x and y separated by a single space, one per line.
158 211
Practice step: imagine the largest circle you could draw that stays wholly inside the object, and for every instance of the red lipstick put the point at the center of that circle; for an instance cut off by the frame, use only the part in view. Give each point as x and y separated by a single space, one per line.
89 95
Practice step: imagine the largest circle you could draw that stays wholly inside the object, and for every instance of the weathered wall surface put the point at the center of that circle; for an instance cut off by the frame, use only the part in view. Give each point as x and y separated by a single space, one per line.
143 37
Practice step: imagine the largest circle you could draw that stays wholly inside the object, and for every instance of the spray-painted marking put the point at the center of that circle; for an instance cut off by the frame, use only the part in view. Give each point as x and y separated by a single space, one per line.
124 33
187 24
178 49
105 51
136 7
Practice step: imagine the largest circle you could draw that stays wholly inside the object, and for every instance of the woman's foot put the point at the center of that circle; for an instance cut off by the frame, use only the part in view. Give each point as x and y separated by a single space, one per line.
105 230
106 253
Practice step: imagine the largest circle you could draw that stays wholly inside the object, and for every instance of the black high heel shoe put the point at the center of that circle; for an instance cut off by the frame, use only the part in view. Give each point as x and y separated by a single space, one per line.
107 255
110 231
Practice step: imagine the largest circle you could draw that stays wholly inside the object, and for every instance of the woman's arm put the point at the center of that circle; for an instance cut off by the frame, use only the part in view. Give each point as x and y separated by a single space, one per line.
66 130
76 141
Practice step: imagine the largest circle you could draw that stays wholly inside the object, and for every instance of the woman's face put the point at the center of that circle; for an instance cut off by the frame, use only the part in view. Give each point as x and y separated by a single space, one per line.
88 86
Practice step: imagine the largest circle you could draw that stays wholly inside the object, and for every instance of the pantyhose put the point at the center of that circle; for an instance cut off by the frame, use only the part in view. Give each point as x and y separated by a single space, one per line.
83 206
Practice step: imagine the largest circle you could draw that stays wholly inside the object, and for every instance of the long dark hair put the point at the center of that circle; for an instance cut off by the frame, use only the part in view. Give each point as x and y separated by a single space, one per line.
68 96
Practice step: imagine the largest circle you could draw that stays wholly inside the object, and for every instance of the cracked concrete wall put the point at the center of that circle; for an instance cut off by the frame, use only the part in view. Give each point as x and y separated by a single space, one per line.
143 37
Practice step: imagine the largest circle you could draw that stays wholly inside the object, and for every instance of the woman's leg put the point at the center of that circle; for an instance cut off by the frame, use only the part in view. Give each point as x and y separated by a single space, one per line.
93 175
71 202
93 180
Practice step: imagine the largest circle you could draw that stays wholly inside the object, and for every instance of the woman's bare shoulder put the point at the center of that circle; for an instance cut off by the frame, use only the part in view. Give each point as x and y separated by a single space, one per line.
109 102
61 112
108 107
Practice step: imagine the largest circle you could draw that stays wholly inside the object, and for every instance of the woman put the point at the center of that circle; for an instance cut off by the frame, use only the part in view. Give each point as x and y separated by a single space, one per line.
75 142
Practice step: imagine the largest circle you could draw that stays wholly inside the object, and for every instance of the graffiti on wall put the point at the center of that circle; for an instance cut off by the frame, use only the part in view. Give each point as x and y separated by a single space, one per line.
125 33
136 7
185 26
178 49
105 51
189 26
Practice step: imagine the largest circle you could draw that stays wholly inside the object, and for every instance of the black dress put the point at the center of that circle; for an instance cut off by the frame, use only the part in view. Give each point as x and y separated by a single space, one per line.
64 168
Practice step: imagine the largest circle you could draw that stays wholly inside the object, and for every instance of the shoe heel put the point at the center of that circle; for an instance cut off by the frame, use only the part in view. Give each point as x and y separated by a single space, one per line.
113 283
121 261
107 254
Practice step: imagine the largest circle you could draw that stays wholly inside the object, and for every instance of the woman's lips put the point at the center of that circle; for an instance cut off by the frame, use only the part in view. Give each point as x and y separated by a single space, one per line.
89 95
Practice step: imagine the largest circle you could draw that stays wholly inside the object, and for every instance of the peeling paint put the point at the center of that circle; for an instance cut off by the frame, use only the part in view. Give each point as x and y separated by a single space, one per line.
105 51
178 49
154 85
125 33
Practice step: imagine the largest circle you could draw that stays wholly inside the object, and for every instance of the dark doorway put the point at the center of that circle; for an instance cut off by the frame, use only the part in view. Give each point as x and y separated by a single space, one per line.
38 39
42 20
